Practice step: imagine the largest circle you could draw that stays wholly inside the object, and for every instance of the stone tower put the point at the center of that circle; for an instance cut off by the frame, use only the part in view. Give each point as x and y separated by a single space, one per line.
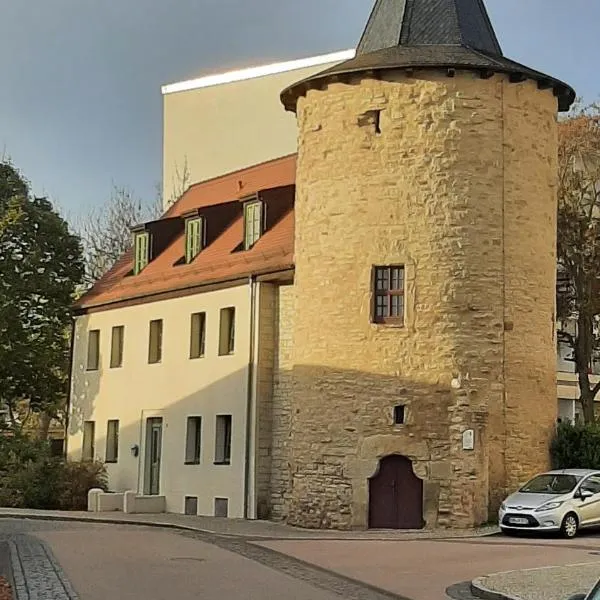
424 354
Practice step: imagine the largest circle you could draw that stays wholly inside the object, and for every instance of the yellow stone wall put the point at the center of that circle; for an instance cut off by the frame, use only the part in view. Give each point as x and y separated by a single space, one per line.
459 186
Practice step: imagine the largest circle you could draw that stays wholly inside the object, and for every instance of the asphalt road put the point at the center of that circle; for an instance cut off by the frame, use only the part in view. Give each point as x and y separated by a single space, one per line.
144 563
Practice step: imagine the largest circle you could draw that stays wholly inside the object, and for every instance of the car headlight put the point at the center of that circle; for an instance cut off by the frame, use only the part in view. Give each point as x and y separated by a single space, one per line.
549 506
503 507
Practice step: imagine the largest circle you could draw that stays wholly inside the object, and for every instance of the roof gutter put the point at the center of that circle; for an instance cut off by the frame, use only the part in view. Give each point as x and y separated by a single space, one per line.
250 402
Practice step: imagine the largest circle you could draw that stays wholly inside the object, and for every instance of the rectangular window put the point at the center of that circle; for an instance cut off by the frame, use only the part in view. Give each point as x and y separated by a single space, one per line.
93 350
388 301
155 341
141 251
116 347
194 237
227 331
89 442
197 335
112 441
193 440
253 221
223 440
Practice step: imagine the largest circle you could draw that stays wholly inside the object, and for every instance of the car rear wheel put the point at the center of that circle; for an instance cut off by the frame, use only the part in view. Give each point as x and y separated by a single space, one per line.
569 526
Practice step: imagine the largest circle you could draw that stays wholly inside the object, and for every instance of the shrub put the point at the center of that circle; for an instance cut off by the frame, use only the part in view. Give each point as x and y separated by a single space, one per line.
30 477
78 479
576 446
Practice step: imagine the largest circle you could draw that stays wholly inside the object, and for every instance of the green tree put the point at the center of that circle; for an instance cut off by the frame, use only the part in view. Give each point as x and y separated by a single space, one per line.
41 266
578 290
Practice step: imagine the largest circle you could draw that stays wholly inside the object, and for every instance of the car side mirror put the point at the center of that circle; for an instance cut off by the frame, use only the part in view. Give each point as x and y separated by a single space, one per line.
584 495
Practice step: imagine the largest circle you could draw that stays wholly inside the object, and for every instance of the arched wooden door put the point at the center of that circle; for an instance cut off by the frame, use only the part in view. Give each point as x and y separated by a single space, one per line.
395 495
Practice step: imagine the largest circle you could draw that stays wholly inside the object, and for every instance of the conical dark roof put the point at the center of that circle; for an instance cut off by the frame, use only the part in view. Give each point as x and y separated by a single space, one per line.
436 34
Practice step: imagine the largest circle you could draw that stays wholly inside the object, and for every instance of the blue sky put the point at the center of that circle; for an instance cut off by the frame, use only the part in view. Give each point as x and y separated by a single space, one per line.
80 102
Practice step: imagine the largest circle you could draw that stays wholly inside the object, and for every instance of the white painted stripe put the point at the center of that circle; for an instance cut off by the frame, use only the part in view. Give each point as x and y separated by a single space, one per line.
254 72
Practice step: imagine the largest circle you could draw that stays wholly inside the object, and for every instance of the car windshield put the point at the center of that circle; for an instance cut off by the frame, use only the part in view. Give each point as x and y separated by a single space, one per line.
595 593
551 484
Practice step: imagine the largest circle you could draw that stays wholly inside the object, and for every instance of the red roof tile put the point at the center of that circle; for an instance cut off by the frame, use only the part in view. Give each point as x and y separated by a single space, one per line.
221 260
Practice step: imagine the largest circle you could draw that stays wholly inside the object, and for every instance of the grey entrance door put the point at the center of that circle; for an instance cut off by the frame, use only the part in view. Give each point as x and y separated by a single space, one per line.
153 455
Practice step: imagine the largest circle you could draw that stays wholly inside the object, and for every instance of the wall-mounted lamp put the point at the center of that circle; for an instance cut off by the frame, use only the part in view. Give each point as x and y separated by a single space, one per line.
135 450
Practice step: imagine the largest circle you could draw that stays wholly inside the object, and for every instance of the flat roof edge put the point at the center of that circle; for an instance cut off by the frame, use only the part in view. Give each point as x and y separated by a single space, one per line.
256 72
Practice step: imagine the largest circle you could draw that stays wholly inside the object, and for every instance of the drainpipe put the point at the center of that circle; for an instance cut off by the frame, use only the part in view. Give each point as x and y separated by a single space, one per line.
70 383
250 392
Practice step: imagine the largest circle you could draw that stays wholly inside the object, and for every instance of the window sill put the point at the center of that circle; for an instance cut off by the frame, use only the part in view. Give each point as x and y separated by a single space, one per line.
222 462
389 324
158 362
111 462
191 462
116 366
88 370
197 357
227 354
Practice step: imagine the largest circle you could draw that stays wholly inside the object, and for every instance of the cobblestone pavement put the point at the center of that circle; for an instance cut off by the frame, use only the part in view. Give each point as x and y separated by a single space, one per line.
36 573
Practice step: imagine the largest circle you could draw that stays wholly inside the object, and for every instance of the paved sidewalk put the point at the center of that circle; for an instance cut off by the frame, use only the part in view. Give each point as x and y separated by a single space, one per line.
239 527
549 583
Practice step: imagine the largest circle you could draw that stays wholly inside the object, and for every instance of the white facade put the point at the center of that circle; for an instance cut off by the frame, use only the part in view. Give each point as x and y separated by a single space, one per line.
173 390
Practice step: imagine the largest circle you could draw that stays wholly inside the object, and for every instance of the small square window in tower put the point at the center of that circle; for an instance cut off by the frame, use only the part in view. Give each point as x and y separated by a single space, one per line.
399 414
388 295
194 238
253 223
141 244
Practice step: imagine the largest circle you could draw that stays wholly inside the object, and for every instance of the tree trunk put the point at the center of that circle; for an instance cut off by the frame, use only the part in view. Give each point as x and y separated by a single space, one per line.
43 426
587 404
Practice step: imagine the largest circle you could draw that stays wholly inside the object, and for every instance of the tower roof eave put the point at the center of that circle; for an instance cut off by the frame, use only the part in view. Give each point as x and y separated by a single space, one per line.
456 57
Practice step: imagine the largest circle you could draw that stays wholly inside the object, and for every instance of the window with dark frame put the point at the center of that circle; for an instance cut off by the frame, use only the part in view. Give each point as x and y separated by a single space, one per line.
112 441
223 440
89 441
194 238
253 223
198 335
388 301
93 350
141 251
116 347
155 341
227 331
399 414
193 440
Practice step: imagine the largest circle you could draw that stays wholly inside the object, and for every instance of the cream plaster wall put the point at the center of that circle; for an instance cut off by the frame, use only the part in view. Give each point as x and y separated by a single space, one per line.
222 128
173 389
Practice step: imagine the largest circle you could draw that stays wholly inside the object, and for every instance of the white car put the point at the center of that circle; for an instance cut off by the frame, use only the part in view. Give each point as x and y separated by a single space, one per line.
594 594
564 501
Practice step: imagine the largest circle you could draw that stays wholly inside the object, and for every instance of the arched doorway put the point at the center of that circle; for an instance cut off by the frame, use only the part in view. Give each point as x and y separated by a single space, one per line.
395 495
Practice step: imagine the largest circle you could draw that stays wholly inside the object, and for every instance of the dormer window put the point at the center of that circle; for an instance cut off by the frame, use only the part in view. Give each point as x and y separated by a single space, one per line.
194 238
141 244
253 223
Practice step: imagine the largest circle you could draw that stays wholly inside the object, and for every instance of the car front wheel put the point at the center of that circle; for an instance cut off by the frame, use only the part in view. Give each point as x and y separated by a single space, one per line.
569 526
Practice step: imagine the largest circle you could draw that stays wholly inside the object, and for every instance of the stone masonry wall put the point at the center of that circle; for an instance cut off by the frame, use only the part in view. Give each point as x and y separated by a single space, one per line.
281 406
530 195
447 189
265 360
